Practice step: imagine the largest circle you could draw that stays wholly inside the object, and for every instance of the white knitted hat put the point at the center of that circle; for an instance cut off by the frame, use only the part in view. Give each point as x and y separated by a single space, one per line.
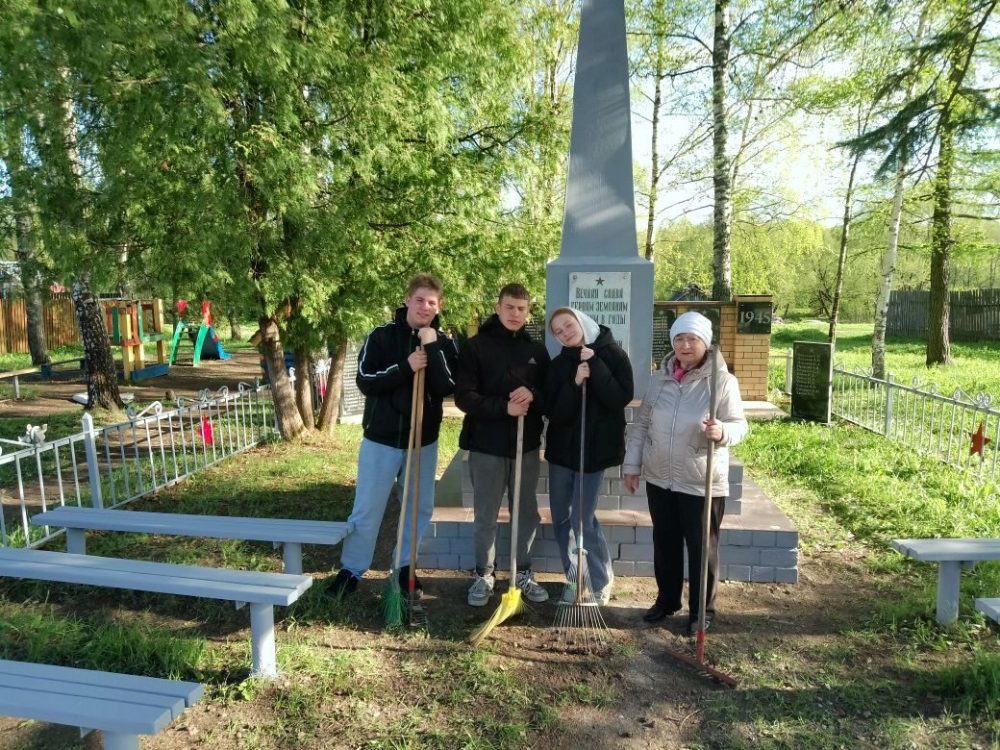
694 323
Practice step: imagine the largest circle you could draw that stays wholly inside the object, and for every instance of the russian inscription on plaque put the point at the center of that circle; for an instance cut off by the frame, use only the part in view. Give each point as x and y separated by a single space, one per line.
605 296
812 381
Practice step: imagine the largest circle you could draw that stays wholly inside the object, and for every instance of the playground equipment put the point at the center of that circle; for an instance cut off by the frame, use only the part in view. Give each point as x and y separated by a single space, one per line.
206 340
128 328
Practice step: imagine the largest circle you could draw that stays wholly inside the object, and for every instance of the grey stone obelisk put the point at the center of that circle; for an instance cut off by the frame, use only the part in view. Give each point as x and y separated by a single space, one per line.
599 270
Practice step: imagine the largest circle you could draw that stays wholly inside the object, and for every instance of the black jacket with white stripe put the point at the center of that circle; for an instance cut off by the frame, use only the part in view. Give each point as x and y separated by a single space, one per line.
385 377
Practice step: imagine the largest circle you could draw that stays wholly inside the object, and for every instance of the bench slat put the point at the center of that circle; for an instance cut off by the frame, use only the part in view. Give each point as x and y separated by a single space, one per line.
182 524
990 608
80 711
166 578
189 692
69 691
949 550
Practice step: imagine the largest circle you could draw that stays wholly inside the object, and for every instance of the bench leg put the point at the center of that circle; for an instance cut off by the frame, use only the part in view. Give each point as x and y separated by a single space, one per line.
119 741
293 557
949 578
76 541
262 640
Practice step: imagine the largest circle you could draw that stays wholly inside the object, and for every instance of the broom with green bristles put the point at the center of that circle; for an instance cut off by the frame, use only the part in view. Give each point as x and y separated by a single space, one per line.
393 602
511 602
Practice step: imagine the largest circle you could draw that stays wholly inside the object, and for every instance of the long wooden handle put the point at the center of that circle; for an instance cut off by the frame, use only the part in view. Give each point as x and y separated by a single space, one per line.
406 476
516 499
418 427
706 516
579 530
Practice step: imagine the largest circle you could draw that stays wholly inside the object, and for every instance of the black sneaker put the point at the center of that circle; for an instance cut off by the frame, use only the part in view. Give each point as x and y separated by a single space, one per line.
404 581
345 583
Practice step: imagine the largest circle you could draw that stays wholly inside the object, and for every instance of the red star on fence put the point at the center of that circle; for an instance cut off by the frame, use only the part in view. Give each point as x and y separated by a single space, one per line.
979 441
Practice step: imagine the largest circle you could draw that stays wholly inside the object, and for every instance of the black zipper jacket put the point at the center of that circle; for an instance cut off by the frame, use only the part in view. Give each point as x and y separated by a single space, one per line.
609 391
494 363
385 377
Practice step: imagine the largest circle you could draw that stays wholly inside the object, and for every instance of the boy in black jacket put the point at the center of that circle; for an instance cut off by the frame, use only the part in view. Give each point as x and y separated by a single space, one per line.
389 359
501 374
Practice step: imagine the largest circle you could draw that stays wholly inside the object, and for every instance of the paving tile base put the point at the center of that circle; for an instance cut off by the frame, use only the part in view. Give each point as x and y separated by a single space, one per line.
758 542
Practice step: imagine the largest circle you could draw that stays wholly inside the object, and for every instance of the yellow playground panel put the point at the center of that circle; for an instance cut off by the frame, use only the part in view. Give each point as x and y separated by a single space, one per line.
131 323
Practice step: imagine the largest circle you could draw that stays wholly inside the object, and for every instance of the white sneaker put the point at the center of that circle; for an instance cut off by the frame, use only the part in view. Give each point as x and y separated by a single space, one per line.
481 591
603 596
529 589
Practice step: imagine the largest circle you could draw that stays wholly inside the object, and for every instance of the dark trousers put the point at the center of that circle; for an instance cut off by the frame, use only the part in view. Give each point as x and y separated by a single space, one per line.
676 525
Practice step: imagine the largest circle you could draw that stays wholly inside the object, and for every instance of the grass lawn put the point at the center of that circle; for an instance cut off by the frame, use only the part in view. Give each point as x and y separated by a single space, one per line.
975 370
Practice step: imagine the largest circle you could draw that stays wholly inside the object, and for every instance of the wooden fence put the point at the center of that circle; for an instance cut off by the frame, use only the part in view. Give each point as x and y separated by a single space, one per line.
60 324
975 314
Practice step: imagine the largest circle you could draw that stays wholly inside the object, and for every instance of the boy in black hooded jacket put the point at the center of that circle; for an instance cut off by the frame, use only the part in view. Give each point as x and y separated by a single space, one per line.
501 375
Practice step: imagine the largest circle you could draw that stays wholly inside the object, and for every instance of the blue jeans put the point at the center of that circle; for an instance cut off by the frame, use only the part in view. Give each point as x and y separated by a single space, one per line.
379 467
564 502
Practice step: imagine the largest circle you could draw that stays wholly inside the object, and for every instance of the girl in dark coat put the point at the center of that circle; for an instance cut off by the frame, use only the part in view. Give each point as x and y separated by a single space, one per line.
589 353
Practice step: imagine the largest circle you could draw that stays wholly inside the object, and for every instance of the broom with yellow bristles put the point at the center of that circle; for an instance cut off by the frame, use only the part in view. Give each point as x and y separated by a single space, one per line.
511 602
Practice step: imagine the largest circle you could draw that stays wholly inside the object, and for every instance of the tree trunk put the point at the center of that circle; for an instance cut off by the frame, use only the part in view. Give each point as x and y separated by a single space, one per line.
303 387
330 410
845 233
722 274
26 249
290 423
31 281
888 272
939 307
102 376
654 173
884 298
235 333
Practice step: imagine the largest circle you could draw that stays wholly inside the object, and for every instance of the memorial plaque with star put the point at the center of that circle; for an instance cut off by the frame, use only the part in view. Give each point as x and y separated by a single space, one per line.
606 296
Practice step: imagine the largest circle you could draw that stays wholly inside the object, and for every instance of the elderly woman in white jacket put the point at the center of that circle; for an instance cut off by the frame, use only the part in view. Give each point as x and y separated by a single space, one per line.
668 447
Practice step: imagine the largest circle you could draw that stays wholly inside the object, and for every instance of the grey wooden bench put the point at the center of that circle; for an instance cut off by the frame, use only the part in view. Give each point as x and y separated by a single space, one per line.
952 555
122 706
262 591
291 534
990 608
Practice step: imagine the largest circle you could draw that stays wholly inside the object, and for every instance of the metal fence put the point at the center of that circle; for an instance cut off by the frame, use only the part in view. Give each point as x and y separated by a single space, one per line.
113 465
961 430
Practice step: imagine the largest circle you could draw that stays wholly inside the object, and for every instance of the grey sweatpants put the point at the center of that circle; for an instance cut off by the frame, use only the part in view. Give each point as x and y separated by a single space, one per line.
492 478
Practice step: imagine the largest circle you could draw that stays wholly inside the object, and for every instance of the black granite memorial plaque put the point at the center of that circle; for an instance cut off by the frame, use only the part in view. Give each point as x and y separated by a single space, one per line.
663 318
812 381
753 317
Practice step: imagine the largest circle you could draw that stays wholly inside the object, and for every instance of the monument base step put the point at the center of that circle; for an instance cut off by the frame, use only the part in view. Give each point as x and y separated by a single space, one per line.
759 544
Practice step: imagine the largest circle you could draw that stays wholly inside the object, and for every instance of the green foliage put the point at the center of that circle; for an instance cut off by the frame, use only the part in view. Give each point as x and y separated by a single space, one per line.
45 635
973 687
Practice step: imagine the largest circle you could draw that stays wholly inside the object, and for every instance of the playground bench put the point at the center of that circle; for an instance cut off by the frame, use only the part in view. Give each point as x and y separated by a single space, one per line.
122 706
46 369
952 555
262 591
290 534
990 608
